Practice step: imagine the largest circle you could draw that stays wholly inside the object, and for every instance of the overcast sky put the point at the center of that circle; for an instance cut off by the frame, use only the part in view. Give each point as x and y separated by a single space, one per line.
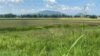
65 6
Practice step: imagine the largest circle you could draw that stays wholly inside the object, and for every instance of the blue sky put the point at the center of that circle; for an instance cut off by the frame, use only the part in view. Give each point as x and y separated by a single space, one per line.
65 6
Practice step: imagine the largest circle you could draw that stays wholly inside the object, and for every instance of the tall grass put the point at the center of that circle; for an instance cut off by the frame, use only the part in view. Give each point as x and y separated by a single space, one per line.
53 40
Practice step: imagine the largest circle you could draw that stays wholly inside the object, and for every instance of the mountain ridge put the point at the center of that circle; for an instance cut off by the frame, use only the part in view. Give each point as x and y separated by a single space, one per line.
50 12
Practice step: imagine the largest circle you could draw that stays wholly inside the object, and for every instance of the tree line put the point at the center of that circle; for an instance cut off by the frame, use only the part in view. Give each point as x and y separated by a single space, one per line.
46 16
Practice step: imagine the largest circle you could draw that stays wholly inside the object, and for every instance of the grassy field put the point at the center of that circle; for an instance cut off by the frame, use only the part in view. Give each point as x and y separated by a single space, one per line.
50 37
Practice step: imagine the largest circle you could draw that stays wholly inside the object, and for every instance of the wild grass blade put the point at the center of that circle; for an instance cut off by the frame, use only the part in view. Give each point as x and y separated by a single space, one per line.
73 45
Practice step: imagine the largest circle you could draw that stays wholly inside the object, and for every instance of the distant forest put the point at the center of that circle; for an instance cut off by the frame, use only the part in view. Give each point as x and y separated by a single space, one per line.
46 16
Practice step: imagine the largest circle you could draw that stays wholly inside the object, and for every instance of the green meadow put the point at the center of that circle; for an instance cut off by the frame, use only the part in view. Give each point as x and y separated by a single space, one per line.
59 37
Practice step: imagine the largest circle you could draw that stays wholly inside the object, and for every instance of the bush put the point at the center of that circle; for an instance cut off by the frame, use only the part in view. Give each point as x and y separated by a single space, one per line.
93 16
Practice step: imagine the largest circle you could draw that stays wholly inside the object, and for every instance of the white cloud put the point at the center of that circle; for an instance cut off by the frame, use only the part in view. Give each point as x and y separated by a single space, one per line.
10 1
53 4
50 1
63 7
71 8
91 4
25 10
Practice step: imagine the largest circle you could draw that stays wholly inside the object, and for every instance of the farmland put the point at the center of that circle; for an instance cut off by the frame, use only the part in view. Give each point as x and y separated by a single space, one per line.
52 37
